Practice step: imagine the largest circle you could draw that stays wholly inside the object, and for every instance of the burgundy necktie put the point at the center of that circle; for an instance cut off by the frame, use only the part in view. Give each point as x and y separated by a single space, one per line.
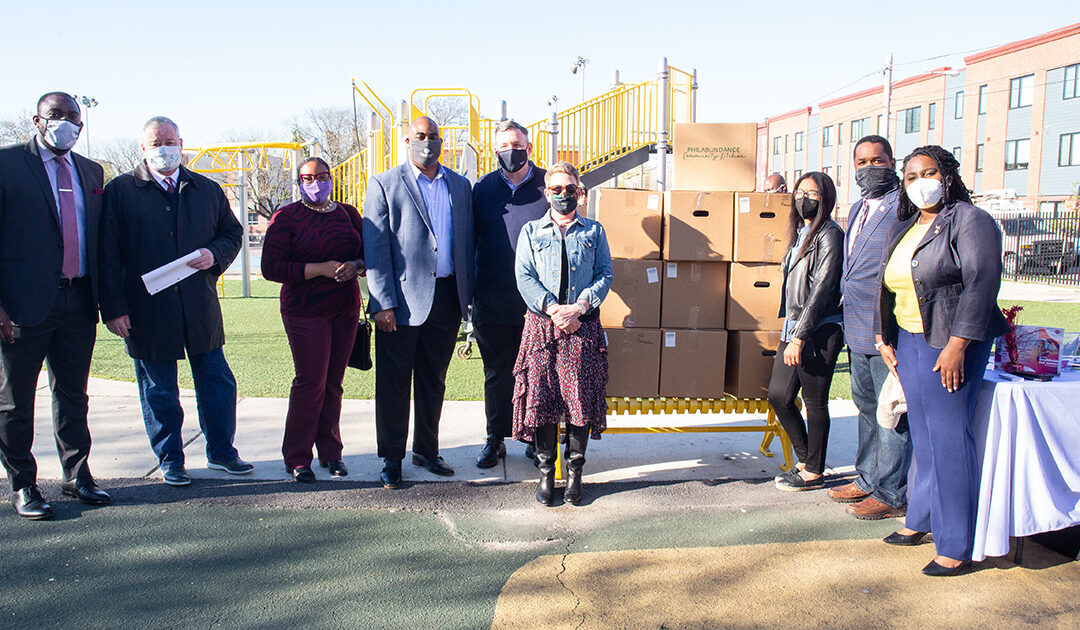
169 186
68 223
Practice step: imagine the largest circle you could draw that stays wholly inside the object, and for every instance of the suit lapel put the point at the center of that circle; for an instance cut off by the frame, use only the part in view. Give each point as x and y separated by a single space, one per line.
935 228
414 191
37 167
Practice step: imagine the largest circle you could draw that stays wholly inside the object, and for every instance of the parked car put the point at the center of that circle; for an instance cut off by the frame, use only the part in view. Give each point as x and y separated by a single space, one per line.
1029 244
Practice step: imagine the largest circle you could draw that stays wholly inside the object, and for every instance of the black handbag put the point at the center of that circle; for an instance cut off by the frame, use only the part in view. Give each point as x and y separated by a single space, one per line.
360 357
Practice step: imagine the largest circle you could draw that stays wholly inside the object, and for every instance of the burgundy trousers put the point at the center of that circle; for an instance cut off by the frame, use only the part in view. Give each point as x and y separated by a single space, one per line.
320 349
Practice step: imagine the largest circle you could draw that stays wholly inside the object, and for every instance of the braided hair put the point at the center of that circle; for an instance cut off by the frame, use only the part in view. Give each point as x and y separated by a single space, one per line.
949 167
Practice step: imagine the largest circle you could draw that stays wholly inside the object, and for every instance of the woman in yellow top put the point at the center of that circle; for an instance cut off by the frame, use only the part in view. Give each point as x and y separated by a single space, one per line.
937 322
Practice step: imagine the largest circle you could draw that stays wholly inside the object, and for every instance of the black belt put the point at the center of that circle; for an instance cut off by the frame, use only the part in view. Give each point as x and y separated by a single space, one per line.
71 282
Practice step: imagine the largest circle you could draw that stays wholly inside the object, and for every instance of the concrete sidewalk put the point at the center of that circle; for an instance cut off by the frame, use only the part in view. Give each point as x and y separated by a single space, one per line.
121 448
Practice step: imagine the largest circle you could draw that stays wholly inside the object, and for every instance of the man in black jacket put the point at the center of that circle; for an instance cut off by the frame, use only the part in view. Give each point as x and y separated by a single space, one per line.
50 206
503 201
154 215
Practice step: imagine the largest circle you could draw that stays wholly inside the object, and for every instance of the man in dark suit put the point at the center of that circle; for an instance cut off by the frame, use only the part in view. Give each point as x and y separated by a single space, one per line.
50 208
418 246
154 215
883 456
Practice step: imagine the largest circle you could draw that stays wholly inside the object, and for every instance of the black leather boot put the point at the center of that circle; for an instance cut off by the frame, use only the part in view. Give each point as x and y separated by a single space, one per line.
577 438
545 453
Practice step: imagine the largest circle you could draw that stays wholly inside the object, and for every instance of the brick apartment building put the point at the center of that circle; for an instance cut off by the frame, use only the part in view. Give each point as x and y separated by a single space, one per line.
1011 116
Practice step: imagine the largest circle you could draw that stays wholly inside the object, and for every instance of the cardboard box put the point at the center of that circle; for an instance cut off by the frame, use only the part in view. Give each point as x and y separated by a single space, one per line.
698 225
694 295
633 221
634 298
633 362
761 226
754 296
749 362
714 156
692 363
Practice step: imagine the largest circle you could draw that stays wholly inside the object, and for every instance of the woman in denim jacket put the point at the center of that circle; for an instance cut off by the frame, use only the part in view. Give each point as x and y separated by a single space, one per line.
563 269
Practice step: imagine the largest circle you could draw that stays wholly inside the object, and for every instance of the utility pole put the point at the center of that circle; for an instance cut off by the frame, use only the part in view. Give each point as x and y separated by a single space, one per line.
662 139
887 95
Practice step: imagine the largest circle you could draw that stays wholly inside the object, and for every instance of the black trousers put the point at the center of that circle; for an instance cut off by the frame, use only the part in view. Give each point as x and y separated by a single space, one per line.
65 342
417 356
814 377
499 345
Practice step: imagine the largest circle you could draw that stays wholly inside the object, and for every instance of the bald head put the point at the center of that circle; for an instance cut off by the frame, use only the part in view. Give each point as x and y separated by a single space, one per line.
775 183
426 126
425 144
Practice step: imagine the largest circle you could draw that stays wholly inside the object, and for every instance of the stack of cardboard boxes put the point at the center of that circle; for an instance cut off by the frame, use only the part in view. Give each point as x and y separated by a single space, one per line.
692 311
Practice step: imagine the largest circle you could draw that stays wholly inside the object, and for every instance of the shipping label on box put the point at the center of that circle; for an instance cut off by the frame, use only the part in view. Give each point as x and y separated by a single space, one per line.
692 363
714 156
634 298
694 295
754 296
1037 351
761 225
633 362
632 220
749 362
698 225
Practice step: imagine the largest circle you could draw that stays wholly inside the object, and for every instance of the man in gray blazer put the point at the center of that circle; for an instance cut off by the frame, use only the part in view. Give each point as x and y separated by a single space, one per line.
418 246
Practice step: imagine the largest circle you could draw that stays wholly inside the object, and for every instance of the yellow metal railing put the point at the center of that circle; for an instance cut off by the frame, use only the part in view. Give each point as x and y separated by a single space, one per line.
248 156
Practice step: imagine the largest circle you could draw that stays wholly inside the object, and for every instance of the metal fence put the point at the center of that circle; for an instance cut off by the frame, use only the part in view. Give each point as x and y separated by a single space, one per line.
1040 247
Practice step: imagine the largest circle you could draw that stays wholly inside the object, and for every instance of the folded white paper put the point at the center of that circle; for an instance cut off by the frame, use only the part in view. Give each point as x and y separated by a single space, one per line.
169 274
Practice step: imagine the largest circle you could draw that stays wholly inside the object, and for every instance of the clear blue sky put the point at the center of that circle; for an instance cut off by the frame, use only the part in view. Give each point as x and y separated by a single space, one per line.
238 66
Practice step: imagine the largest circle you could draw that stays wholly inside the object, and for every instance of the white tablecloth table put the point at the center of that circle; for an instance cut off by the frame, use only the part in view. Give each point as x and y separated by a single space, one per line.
1027 436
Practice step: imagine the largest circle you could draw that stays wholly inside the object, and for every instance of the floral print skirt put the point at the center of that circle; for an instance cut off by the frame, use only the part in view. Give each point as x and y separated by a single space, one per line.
559 374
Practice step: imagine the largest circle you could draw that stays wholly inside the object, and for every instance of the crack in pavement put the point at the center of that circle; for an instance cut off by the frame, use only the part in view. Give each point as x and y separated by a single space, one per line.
558 577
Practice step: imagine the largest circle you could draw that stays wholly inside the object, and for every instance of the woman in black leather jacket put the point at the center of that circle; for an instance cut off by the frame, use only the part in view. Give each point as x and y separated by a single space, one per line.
938 319
812 334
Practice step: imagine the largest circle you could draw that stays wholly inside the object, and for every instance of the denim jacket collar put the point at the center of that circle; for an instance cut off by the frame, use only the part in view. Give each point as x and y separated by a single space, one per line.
547 221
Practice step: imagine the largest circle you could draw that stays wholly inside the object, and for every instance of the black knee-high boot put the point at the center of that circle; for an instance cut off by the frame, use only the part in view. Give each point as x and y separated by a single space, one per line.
545 453
577 438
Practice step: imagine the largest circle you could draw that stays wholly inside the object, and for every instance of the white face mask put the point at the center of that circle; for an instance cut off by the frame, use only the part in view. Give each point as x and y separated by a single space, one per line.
925 192
61 134
163 159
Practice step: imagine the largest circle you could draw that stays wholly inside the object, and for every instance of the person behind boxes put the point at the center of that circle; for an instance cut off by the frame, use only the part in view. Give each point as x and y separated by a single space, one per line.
937 320
563 268
884 455
812 335
504 200
775 184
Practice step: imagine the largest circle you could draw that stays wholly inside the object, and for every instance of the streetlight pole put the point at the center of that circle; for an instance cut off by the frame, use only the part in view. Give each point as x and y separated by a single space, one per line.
579 68
87 102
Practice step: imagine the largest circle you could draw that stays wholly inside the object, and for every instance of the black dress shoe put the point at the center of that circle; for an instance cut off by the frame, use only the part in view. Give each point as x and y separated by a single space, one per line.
436 465
86 491
494 450
391 474
303 474
336 468
904 540
936 570
30 504
545 488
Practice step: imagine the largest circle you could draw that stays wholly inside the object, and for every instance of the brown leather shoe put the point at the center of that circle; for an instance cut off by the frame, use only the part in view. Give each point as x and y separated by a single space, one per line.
847 493
870 509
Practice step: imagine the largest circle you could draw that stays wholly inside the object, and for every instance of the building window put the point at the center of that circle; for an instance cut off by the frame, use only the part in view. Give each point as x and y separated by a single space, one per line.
931 113
982 99
1069 149
1052 207
776 145
978 158
1072 86
912 119
798 141
798 174
956 153
1020 90
839 176
827 170
857 127
1017 153
826 136
880 129
958 108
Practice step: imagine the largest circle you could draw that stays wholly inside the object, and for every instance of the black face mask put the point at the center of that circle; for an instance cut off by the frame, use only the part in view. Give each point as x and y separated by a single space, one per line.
425 152
513 160
807 207
564 204
875 181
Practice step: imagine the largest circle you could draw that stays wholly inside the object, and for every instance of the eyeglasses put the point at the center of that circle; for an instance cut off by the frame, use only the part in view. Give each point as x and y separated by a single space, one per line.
570 189
317 177
809 195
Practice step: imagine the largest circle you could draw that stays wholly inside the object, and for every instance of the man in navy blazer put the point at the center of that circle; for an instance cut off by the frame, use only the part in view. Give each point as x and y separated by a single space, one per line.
50 208
884 455
419 247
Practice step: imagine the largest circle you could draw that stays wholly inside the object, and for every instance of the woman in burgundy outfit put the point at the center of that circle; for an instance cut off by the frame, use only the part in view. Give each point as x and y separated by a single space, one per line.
313 248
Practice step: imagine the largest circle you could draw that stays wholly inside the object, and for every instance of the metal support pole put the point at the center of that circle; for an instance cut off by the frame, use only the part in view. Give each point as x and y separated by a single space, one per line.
502 110
296 181
373 153
615 79
245 260
693 96
887 99
662 139
553 127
